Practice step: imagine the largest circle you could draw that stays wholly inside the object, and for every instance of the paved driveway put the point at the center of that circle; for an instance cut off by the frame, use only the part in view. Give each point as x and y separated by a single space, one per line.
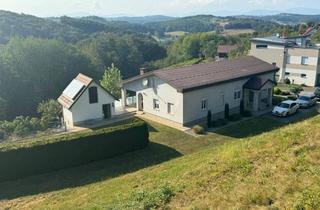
301 114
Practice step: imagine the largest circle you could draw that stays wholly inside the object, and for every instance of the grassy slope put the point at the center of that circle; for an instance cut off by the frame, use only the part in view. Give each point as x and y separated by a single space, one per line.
280 168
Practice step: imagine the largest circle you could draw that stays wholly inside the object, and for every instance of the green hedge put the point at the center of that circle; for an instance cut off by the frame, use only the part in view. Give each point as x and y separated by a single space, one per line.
44 155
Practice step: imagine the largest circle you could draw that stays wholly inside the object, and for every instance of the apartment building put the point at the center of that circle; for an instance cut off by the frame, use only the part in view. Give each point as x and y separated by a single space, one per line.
296 57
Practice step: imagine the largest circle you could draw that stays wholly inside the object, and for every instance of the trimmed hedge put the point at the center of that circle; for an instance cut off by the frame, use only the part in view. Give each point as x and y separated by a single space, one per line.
44 155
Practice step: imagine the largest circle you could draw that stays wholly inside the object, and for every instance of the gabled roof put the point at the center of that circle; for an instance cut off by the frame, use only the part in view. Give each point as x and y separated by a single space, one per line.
226 48
256 83
207 74
75 89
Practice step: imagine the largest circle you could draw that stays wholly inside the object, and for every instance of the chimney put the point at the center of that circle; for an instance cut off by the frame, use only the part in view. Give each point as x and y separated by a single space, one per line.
142 71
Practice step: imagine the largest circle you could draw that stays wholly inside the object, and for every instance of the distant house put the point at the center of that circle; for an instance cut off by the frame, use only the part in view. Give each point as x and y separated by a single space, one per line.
84 100
297 57
224 50
185 95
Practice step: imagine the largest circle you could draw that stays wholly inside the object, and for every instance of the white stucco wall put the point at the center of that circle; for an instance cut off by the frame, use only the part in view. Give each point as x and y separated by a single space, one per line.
82 110
187 106
158 89
67 117
192 100
295 76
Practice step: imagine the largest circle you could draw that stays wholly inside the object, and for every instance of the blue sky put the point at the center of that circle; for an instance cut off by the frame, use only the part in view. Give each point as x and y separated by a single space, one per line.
46 8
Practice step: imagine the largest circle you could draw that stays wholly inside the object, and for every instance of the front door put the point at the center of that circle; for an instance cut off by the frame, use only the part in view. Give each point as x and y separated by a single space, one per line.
106 111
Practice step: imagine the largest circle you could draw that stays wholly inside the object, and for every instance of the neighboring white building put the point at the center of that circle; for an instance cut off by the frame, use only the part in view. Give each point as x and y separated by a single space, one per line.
297 58
84 100
185 95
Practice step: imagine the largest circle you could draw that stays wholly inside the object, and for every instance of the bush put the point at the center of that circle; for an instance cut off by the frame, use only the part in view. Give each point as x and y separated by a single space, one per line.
276 91
226 111
209 119
197 129
296 89
292 97
235 117
277 100
285 93
43 155
287 81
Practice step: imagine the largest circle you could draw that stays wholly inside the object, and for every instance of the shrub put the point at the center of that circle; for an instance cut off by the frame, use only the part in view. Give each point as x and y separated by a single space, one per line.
276 91
49 154
277 100
285 93
235 117
291 97
50 111
296 89
197 129
226 111
287 81
209 119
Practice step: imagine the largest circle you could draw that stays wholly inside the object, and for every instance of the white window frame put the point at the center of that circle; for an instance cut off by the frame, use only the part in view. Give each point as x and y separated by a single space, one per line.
204 104
170 108
237 95
304 60
156 104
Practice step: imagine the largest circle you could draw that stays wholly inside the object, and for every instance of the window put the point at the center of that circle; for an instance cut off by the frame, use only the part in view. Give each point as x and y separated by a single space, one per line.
260 46
287 73
156 104
303 75
304 60
274 63
204 104
237 95
170 108
93 95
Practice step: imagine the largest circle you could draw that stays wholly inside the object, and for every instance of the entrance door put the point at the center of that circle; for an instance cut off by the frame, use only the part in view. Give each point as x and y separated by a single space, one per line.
106 111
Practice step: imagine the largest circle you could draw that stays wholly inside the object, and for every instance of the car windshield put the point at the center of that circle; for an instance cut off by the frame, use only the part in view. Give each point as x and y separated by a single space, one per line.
304 98
283 105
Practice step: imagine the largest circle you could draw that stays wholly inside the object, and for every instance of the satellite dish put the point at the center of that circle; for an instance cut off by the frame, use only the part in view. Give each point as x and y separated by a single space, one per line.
145 82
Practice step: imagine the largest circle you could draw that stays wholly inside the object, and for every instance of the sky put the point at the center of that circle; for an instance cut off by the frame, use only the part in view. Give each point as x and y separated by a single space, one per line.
48 8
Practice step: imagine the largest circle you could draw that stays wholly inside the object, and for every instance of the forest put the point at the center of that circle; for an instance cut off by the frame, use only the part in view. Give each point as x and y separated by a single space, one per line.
40 56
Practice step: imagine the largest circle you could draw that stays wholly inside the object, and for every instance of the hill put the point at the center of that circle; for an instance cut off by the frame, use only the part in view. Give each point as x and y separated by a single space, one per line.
235 168
143 19
287 18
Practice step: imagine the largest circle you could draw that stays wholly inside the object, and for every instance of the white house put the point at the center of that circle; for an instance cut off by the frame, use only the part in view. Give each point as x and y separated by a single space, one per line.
185 95
84 100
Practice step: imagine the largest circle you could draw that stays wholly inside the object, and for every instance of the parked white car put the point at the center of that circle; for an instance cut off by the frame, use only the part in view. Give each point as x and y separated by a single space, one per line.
307 100
285 108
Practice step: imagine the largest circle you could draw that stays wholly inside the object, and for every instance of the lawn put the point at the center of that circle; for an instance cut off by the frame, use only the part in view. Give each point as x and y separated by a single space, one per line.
260 163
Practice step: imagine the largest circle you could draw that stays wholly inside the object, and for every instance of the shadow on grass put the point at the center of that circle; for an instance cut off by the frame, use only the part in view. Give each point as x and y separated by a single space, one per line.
266 123
74 177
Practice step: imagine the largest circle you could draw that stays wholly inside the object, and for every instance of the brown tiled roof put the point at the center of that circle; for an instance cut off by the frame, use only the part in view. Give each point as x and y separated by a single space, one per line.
256 83
226 48
203 75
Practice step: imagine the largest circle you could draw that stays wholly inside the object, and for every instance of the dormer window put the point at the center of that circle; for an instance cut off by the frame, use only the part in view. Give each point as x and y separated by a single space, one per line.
93 95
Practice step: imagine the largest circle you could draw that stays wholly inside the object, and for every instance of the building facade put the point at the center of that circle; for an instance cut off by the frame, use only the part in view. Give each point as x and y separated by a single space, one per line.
84 100
185 95
296 57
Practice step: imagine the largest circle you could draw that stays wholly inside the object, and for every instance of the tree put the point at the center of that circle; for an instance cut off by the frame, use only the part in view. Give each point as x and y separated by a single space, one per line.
51 113
111 81
3 108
